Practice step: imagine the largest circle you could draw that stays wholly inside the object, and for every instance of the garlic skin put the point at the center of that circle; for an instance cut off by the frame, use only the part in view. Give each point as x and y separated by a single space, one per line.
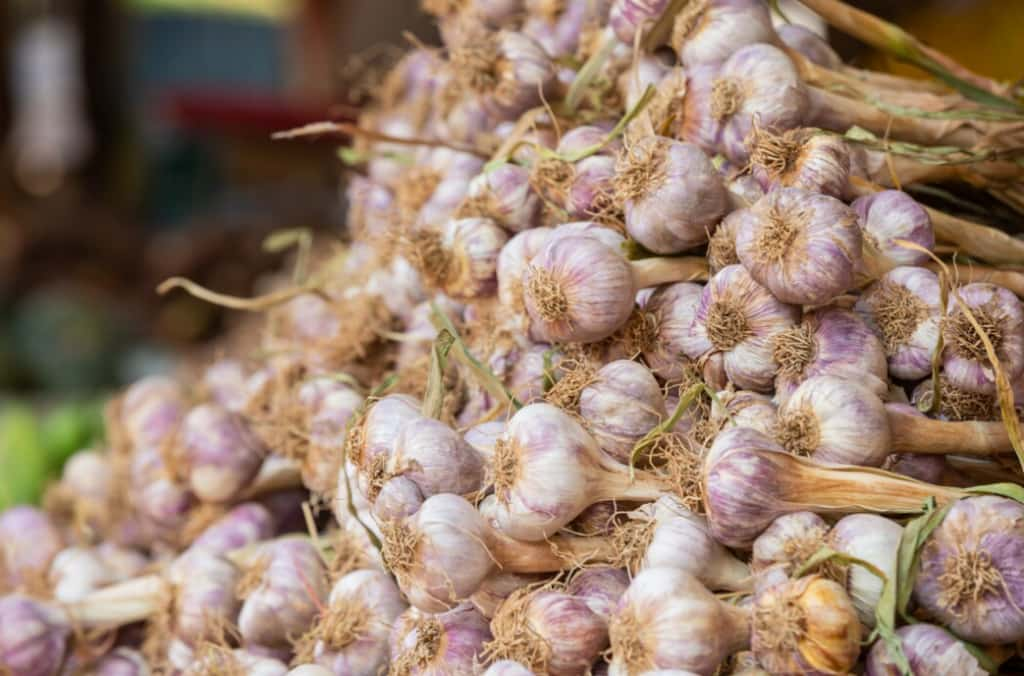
830 342
32 638
151 410
436 458
789 542
463 258
804 247
373 440
930 649
499 586
507 668
874 539
622 405
800 158
759 81
29 541
805 41
590 193
504 195
626 17
577 289
291 587
969 576
205 595
670 310
121 662
353 636
513 260
75 572
904 309
327 428
742 408
835 420
438 645
805 626
892 215
722 245
397 498
709 32
964 359
246 524
672 196
668 620
222 452
739 319
600 588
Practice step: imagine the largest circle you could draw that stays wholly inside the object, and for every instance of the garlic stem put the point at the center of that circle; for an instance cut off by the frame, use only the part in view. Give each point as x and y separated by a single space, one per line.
917 434
650 272
545 556
968 274
120 604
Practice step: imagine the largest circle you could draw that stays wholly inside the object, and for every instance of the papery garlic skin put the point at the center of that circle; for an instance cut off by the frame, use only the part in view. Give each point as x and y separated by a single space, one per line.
498 586
874 539
670 308
223 453
205 595
438 645
436 458
808 43
622 405
379 429
504 195
789 542
709 32
668 620
397 498
245 524
513 260
629 16
930 649
739 318
835 420
507 668
151 410
600 588
904 308
804 247
577 289
122 662
892 215
75 572
29 541
32 638
969 576
744 409
1000 313
801 158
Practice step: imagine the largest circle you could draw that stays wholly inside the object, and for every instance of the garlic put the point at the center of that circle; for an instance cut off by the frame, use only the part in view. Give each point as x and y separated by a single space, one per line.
460 259
513 260
800 158
929 648
75 572
29 541
351 637
397 498
600 587
222 453
874 539
806 625
122 662
507 668
33 638
835 420
669 312
437 645
204 599
327 426
371 441
789 542
150 411
709 31
671 194
904 309
968 577
244 525
1001 315
435 458
829 342
668 620
739 319
503 194
622 404
804 247
742 408
722 245
498 586
627 17
808 43
955 404
888 216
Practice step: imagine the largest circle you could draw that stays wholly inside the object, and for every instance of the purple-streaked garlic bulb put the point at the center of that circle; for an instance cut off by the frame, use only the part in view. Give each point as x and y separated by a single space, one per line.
749 481
737 322
462 258
955 404
757 84
282 593
1000 314
549 630
327 426
397 498
499 586
742 408
666 534
626 17
871 538
29 541
121 662
622 404
33 638
835 420
534 372
513 260
222 453
885 218
969 576
507 668
451 642
371 442
788 542
504 195
557 25
244 525
436 458
829 342
648 71
929 648
548 469
591 191
671 194
800 158
668 620
205 599
709 31
224 382
804 247
806 625
670 310
904 308
721 251
351 636
216 659
161 503
600 587
151 410
808 43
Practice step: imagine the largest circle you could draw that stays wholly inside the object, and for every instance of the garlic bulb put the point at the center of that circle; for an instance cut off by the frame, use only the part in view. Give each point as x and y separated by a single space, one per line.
150 411
372 440
513 260
33 638
503 194
244 525
739 319
122 662
29 541
327 427
742 408
930 649
955 404
75 572
789 542
668 620
800 158
968 576
462 258
829 342
397 498
436 458
205 598
669 311
600 587
904 309
805 41
622 404
222 452
806 625
507 668
351 637
892 215
437 645
804 247
671 194
709 31
1001 315
722 245
627 17
874 539
835 420
493 591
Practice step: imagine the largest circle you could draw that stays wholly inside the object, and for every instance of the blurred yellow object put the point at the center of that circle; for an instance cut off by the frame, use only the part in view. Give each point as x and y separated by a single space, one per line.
274 10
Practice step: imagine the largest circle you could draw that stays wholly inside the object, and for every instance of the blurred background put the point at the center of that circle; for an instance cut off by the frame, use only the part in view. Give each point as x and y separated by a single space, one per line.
135 145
